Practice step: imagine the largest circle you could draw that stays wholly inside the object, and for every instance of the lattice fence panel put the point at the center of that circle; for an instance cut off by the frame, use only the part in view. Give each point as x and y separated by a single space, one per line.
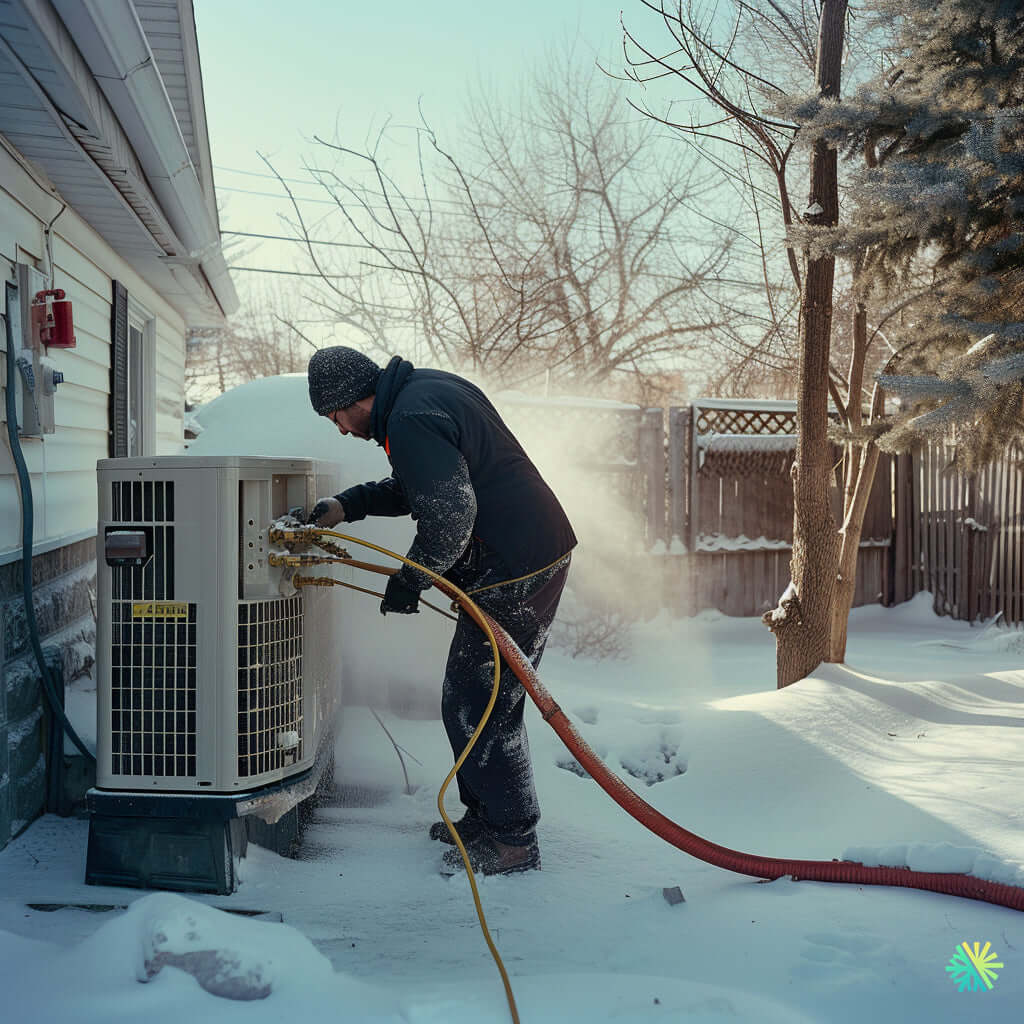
745 421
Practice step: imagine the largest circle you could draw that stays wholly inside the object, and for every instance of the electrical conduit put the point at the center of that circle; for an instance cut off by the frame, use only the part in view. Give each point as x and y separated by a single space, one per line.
25 485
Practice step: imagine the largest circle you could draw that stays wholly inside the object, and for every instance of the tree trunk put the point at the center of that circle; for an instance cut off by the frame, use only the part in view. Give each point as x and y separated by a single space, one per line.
853 525
221 383
802 623
861 464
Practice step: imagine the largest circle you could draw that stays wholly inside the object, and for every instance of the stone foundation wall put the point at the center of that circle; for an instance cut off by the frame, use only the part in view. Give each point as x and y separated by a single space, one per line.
64 586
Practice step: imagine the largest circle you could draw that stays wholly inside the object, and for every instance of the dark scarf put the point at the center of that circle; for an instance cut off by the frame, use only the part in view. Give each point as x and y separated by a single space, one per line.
392 379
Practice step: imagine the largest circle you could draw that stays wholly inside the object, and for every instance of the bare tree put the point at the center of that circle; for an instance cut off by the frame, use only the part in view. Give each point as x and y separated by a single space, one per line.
264 338
557 244
744 105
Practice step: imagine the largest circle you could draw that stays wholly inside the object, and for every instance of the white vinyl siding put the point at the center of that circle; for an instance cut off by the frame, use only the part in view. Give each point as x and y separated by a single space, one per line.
63 465
169 387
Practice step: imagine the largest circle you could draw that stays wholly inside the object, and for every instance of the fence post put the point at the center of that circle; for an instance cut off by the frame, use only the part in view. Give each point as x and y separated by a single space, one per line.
678 472
901 588
691 540
971 545
653 455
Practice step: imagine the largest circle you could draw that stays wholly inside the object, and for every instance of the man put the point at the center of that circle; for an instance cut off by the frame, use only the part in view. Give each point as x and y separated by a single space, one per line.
486 521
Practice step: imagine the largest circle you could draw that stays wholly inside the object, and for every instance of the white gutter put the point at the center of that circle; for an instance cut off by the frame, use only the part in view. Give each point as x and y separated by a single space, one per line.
111 39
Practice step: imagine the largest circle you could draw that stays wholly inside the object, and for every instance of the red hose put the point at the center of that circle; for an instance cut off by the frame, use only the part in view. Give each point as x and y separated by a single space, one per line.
846 871
850 872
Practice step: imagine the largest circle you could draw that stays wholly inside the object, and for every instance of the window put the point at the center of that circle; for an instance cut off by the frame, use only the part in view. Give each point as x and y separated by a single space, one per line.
141 373
132 376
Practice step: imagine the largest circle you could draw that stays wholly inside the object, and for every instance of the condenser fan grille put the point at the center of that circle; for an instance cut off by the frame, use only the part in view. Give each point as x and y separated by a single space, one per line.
153 689
269 685
152 645
149 504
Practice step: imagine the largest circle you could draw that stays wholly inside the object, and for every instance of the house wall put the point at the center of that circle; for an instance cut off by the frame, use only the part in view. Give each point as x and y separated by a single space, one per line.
63 471
64 581
63 466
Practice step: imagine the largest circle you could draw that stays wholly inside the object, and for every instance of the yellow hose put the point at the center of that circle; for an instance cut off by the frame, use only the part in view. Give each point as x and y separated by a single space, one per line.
479 618
329 581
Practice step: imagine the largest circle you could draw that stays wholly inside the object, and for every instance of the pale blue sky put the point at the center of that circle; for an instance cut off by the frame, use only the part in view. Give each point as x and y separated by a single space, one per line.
275 74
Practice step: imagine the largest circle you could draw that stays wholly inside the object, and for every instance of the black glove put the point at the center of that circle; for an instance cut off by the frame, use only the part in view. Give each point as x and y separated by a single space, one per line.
399 598
327 512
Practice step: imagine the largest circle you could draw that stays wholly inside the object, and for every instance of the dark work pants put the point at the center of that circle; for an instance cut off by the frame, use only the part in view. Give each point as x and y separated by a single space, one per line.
496 780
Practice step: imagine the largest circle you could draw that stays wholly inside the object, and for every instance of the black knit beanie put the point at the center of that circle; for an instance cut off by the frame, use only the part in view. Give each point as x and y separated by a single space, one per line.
339 376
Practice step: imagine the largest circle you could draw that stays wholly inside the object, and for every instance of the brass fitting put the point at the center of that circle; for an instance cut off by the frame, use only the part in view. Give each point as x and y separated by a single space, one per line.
314 581
330 547
304 536
276 558
279 535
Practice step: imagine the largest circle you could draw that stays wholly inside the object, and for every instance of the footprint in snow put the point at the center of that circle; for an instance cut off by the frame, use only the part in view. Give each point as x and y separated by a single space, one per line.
570 764
828 951
655 764
653 759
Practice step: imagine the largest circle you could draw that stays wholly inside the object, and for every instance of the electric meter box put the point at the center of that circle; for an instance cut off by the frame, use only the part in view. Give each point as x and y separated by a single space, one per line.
218 682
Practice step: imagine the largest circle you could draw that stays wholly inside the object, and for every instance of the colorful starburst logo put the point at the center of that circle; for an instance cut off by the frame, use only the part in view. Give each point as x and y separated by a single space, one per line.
972 967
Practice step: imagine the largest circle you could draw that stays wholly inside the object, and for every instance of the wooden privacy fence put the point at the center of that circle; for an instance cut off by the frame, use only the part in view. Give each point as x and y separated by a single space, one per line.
700 493
704 495
728 533
959 536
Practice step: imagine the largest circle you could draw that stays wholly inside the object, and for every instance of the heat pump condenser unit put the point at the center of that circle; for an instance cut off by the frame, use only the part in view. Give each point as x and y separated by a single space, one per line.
218 682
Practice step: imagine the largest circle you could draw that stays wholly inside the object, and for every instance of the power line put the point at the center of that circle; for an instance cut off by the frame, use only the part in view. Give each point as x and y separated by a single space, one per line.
380 249
311 241
402 200
263 174
311 273
348 245
290 273
320 182
276 195
584 224
345 245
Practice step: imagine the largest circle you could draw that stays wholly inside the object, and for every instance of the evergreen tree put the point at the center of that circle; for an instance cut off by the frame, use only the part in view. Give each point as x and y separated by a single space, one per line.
941 137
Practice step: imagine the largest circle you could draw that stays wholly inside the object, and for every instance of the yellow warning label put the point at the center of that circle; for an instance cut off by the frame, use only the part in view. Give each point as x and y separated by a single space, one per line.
160 610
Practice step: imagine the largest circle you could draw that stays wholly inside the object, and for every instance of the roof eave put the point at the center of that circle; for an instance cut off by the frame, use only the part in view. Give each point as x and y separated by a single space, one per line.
114 46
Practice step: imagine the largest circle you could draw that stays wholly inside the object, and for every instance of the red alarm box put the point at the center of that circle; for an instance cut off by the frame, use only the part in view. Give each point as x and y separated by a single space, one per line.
52 324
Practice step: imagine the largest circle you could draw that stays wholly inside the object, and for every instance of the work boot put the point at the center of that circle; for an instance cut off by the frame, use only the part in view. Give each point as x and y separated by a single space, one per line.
469 827
487 856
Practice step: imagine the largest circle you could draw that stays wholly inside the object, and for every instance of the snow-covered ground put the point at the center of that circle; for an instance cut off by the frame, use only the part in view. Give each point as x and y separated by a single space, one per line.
918 742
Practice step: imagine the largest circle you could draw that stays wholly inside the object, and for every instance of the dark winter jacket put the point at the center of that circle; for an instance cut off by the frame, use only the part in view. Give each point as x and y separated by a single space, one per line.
461 474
